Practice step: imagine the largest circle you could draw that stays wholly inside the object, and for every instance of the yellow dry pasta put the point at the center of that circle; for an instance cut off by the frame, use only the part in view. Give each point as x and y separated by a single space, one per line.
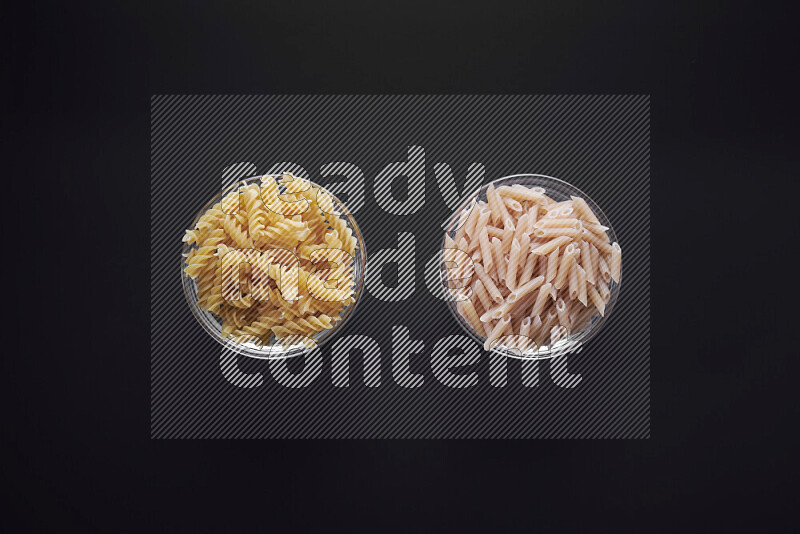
273 260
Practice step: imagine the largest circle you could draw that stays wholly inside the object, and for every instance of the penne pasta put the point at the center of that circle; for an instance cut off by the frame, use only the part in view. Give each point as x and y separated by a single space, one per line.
601 245
587 261
521 228
500 327
512 204
564 267
472 220
615 262
597 300
510 293
558 223
486 250
497 207
550 246
605 272
497 251
533 216
508 235
494 231
479 290
523 290
563 315
530 261
521 193
581 284
467 310
513 265
573 281
602 288
557 232
488 284
541 299
584 210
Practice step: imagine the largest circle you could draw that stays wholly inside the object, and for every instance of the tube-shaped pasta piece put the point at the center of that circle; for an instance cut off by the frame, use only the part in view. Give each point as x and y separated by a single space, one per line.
520 193
587 261
536 325
467 310
525 289
581 284
552 265
472 220
602 288
584 210
498 208
488 284
597 300
529 261
508 235
486 249
511 204
484 214
498 330
557 333
596 229
494 231
573 281
499 259
547 324
566 264
615 263
557 232
601 245
483 296
550 246
563 315
541 299
558 223
513 265
521 228
463 218
566 211
525 326
533 216
605 272
495 313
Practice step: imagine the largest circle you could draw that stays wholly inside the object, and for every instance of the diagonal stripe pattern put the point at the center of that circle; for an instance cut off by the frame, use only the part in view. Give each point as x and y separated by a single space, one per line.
199 144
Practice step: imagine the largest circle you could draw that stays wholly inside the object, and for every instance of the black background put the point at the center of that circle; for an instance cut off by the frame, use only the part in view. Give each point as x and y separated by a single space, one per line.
77 452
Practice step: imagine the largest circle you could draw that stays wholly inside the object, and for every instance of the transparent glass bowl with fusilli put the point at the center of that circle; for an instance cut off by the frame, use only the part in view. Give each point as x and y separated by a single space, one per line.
273 265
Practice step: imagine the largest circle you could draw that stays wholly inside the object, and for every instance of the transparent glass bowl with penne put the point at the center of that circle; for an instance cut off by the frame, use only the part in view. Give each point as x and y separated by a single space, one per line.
272 266
531 266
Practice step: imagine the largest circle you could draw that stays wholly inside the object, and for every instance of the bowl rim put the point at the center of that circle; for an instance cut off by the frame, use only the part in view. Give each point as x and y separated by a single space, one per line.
203 316
574 342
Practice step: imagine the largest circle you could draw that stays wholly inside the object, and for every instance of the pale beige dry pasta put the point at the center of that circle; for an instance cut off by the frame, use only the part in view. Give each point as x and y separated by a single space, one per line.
281 241
486 249
513 265
581 284
541 299
514 291
550 246
615 262
557 231
552 265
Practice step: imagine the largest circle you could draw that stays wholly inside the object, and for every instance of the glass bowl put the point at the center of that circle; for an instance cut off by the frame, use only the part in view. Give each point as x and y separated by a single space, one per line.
274 350
558 190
